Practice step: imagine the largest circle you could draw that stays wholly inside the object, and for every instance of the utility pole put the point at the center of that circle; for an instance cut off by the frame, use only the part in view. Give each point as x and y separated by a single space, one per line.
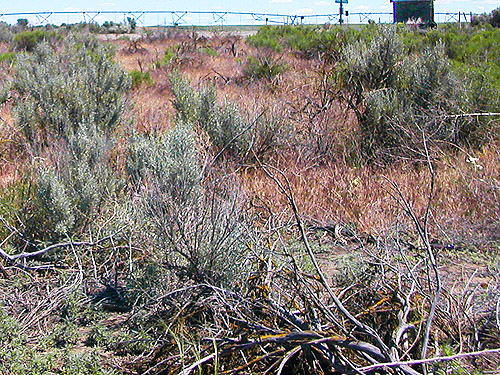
341 12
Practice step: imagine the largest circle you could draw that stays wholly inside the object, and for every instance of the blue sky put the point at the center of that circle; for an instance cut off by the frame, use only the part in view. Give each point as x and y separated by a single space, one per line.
298 7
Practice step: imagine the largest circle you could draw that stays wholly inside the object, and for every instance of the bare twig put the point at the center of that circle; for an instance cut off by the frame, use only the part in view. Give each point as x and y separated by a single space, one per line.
431 256
429 360
208 358
289 195
288 356
256 360
422 227
498 313
479 114
14 258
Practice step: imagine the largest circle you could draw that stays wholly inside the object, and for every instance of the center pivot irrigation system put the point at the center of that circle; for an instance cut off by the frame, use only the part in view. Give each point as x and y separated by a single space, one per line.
208 18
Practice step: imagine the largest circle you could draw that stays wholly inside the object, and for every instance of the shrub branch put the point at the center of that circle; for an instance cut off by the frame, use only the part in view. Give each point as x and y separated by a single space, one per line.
14 258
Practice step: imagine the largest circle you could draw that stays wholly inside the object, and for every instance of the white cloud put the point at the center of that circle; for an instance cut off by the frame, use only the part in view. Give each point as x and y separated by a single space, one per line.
323 3
71 9
281 1
362 8
108 4
447 2
304 11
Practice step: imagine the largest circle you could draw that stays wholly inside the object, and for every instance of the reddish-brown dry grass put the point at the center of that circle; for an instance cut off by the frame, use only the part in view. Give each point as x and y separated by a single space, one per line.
12 158
319 162
328 189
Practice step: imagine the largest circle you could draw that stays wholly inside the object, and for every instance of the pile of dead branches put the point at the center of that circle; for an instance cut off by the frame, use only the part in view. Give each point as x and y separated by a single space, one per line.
391 315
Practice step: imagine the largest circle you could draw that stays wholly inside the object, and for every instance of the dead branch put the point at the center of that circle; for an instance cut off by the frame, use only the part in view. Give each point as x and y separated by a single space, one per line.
190 368
224 78
381 351
422 228
299 339
289 195
287 357
256 360
479 114
497 313
430 254
13 259
429 360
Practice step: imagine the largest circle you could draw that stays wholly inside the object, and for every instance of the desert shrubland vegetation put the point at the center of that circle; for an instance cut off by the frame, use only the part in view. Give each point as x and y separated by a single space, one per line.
310 200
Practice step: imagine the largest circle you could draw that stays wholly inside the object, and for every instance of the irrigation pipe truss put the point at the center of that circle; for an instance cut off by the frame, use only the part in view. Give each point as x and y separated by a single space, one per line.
206 18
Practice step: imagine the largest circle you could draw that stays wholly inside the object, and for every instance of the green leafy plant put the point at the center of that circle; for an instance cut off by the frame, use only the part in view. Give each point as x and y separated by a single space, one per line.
7 57
264 66
139 78
169 57
310 41
28 40
493 19
208 51
16 357
101 336
84 364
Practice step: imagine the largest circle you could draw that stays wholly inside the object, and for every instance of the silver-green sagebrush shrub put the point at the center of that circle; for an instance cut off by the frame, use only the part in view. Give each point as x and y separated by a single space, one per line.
61 91
272 131
403 100
227 129
187 100
197 229
223 123
169 163
71 102
6 33
371 66
242 137
264 65
417 106
73 190
4 92
205 241
55 200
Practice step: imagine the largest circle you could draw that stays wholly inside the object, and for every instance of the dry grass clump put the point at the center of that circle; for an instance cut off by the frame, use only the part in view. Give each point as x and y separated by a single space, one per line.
11 150
333 192
153 112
